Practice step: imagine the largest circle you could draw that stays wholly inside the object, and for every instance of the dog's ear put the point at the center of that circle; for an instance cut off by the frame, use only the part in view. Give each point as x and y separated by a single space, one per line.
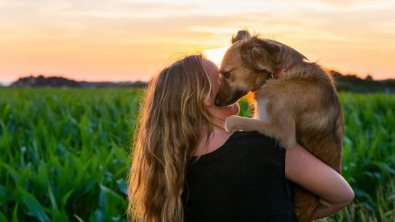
242 34
258 54
268 46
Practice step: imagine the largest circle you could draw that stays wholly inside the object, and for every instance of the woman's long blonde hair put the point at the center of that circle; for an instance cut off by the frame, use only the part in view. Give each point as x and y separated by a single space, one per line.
171 123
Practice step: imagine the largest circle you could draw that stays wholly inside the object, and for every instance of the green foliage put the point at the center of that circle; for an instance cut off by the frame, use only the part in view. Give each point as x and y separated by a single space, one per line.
369 157
64 154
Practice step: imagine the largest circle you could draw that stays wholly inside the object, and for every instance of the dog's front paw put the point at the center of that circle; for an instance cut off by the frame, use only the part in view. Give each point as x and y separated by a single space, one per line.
230 123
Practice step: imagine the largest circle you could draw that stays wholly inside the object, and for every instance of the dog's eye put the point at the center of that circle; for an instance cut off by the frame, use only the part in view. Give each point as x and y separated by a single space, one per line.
226 75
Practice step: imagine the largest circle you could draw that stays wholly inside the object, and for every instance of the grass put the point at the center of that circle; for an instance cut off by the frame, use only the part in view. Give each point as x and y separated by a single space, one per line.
64 154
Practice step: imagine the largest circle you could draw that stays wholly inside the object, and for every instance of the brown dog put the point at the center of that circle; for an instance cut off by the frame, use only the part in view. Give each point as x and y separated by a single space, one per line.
296 102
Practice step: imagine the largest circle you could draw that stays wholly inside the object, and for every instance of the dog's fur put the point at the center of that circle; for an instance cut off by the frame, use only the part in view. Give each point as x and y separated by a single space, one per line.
299 106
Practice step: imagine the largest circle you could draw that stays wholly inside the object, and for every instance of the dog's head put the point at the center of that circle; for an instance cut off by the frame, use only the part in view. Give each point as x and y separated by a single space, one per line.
245 67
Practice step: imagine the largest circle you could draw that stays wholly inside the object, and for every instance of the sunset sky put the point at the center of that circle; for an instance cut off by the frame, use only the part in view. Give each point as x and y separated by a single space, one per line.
128 40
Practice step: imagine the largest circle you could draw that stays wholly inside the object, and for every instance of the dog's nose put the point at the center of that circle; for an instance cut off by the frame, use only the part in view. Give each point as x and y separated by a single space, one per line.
217 102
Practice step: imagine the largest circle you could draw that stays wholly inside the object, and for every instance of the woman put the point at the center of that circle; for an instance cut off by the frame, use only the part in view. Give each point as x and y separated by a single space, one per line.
187 166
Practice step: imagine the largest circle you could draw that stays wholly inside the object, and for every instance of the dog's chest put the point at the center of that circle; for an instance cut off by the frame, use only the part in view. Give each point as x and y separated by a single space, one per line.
261 109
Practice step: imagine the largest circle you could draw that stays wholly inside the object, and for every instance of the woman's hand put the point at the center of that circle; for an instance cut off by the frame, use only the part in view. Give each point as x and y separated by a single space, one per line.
306 170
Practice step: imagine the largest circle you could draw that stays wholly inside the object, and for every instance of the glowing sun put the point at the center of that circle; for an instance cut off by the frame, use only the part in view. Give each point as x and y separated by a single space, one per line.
215 55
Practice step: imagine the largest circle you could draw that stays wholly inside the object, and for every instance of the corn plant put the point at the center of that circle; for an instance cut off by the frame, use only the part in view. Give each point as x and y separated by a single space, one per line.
65 154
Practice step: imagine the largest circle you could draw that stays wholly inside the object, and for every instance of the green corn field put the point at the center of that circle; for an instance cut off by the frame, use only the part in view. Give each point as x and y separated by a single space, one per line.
65 154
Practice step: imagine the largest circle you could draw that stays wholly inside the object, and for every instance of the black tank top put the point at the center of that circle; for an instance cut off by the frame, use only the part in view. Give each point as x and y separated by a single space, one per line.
243 180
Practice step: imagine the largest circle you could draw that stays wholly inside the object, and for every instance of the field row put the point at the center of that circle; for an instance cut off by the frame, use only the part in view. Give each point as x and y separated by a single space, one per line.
65 154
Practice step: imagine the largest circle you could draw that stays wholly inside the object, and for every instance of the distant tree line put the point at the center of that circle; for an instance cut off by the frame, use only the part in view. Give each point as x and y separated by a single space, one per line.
347 83
55 81
352 83
43 81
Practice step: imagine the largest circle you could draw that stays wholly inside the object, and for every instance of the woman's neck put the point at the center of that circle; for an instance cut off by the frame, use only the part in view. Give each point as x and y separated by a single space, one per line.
217 138
220 123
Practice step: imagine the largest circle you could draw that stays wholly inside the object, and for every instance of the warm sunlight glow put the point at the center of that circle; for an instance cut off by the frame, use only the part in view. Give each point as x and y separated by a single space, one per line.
215 55
130 40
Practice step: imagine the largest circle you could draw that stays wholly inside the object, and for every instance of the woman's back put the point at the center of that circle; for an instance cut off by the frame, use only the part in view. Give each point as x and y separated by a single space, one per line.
243 180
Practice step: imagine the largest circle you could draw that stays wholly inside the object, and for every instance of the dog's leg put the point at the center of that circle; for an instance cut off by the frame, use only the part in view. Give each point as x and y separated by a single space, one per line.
305 204
283 130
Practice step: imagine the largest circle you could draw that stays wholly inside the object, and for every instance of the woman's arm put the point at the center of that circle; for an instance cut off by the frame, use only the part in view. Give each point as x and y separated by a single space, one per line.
306 170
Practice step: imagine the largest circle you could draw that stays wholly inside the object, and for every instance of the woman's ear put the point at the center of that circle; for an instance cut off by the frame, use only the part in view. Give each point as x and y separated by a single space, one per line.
208 102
